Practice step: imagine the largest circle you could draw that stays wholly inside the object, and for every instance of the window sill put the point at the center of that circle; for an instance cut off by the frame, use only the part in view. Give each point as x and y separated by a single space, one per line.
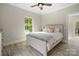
27 33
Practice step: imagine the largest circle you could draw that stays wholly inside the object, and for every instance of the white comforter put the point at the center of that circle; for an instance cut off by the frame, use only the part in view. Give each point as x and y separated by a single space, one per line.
51 38
56 37
41 35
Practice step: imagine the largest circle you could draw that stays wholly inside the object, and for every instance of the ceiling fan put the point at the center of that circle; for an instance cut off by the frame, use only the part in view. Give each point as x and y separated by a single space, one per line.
40 5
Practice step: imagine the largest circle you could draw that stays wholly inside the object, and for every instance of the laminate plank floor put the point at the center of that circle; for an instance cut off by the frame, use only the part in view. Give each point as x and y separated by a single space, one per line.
22 49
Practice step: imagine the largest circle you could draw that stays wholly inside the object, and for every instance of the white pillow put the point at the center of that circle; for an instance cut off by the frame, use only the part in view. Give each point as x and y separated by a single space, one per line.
49 29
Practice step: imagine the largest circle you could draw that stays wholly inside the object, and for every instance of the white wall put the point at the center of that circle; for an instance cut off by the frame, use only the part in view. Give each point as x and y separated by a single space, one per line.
0 45
0 15
13 24
0 30
60 17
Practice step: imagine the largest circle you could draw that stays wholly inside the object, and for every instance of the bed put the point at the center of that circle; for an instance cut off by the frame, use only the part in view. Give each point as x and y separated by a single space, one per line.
44 41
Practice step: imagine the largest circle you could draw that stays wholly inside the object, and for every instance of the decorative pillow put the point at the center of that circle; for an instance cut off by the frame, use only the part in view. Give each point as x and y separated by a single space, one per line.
48 29
44 30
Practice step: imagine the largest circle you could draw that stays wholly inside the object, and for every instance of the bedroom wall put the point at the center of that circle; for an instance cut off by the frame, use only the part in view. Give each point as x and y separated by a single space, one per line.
0 30
0 15
13 24
60 17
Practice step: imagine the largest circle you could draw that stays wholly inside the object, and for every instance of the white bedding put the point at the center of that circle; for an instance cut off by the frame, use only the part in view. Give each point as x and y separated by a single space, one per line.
51 39
41 35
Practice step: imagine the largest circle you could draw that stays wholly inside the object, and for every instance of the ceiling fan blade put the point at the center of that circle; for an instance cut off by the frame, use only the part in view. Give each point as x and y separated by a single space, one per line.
40 5
34 5
47 4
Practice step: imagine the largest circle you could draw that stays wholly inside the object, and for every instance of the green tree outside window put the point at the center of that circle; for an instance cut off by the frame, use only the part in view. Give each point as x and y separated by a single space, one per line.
28 24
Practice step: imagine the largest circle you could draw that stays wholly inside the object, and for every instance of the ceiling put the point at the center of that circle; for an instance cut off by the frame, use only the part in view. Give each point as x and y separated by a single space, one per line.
46 9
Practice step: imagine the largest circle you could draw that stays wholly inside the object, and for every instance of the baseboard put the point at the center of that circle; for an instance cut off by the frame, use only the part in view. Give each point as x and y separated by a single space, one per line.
10 43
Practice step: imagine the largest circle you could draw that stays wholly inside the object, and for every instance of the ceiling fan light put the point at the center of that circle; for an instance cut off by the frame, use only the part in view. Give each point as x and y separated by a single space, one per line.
40 6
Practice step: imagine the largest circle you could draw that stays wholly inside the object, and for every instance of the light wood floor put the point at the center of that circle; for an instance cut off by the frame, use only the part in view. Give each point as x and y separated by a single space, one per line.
62 49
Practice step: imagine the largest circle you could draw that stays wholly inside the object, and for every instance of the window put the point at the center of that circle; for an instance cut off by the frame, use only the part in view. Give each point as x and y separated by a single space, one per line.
28 24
